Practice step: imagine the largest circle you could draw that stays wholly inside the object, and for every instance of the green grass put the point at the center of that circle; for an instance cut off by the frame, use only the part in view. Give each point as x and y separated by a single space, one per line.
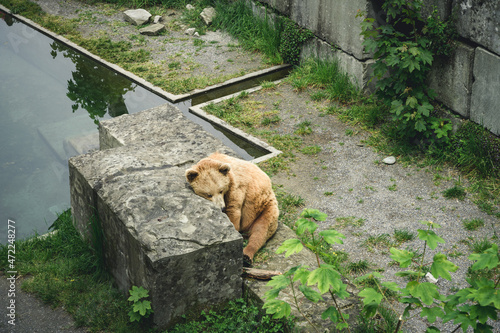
401 235
237 316
253 34
327 77
63 271
378 241
455 192
357 267
473 224
311 150
303 128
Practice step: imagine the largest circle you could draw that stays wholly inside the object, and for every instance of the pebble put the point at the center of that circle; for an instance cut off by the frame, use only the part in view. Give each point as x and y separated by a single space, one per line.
389 160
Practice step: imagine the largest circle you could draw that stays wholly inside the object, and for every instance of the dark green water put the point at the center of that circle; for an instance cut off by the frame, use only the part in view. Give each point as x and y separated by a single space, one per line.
51 99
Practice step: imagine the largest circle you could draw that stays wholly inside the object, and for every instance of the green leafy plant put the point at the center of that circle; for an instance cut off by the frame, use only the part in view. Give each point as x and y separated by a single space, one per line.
292 38
325 278
141 308
471 306
404 49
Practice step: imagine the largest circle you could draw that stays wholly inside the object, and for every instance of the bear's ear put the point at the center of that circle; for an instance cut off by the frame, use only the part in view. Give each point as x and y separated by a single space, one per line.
224 168
191 175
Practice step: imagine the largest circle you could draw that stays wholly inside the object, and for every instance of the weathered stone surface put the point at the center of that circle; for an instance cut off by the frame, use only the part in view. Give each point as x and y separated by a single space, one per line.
163 126
208 15
152 30
485 99
333 21
137 16
451 79
479 21
156 232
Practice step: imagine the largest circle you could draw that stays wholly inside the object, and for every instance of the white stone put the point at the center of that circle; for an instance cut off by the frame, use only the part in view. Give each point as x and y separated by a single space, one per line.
208 15
157 19
190 31
430 278
189 7
137 16
389 160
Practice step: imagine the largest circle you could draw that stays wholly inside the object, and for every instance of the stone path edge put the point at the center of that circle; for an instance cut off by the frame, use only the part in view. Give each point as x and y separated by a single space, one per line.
140 81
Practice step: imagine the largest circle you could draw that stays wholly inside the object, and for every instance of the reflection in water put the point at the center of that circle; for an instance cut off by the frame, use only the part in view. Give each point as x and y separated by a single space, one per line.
92 88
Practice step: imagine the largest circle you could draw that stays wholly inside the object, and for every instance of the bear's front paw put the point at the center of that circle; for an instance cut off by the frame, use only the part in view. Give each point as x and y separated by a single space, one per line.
247 262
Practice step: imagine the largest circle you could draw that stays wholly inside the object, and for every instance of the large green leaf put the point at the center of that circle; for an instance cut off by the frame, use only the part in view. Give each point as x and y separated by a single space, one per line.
430 237
310 293
325 277
332 236
314 214
432 313
305 224
142 307
136 293
425 291
290 246
487 259
441 267
370 295
482 313
277 308
404 257
486 296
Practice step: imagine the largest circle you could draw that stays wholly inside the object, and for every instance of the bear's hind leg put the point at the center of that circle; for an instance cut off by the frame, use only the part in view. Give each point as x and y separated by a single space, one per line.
261 230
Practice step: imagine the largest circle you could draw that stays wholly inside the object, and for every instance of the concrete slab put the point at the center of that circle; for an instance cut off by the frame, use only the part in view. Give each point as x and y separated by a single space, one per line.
485 101
479 21
451 79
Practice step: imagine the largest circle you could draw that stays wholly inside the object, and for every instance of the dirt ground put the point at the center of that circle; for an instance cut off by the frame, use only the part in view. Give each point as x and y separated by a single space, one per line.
363 197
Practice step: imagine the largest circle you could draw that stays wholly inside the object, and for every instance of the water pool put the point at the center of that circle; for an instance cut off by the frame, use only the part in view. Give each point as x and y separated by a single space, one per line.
51 99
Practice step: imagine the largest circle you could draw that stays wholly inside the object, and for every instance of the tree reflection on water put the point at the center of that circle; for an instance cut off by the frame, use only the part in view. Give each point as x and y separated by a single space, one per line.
94 87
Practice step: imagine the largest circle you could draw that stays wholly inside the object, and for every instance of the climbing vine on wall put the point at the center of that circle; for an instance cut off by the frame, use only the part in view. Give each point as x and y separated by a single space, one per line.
292 38
404 48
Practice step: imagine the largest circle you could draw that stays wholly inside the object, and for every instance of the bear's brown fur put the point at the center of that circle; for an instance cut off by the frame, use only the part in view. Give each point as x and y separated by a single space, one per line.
243 191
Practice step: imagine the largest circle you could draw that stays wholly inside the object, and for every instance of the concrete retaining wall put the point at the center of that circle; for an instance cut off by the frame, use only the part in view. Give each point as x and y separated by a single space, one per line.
468 82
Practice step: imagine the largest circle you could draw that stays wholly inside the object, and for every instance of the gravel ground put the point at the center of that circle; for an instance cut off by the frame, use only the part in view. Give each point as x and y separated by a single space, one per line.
347 179
365 198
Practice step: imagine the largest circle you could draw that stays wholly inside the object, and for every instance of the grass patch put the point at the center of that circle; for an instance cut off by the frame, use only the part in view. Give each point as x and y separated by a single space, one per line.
357 267
402 236
345 221
327 77
65 272
304 128
455 192
473 224
379 241
237 316
311 150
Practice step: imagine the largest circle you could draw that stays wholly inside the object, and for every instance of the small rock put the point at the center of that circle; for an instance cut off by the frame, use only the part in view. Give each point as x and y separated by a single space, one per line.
137 16
430 278
389 160
190 31
189 7
208 15
152 30
196 34
157 19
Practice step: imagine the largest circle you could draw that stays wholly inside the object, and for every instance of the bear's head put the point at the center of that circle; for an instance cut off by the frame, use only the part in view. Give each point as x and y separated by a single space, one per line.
210 179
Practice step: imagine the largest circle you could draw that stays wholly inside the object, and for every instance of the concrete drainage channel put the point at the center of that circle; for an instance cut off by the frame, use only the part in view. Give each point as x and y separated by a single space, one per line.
156 232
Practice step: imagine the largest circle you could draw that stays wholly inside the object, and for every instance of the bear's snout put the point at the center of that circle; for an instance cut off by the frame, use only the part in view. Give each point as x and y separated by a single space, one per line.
223 209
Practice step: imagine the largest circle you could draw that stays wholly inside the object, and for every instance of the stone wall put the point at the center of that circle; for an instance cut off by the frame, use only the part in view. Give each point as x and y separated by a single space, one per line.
468 82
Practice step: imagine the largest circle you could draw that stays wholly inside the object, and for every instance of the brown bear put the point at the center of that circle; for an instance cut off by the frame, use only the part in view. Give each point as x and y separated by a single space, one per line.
243 191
